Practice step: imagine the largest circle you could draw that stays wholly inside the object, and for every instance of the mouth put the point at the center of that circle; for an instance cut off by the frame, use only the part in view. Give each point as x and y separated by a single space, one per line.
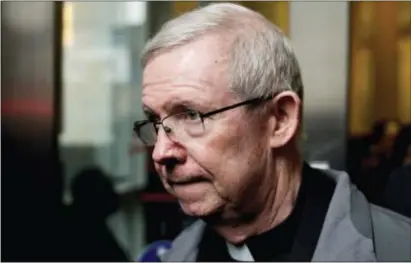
186 181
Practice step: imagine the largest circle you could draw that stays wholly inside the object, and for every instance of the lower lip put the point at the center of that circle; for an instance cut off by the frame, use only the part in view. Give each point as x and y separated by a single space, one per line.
189 188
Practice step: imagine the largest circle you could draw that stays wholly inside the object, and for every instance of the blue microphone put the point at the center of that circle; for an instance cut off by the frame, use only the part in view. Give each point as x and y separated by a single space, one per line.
153 251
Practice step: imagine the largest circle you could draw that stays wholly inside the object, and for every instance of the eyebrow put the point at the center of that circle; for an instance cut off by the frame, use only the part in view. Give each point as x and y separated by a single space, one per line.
177 103
174 106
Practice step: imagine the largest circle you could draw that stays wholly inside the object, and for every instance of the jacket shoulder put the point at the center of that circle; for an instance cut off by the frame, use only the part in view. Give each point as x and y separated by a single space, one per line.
392 234
184 246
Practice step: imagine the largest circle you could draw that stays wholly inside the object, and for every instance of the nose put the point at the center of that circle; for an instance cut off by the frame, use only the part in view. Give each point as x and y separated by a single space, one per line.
167 152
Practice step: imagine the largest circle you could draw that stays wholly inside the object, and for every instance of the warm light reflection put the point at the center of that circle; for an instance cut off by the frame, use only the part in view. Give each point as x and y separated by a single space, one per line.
380 64
404 79
68 31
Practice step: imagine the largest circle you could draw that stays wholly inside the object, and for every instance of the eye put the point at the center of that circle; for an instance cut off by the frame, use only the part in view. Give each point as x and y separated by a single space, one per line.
192 115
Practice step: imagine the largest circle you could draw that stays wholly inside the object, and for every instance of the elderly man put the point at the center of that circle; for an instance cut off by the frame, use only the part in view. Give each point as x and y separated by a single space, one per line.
222 93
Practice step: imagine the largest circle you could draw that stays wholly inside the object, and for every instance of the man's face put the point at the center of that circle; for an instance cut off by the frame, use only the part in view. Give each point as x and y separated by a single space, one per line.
214 171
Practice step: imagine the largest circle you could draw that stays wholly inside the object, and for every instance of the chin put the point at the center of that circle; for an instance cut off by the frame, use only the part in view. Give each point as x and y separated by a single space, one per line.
199 208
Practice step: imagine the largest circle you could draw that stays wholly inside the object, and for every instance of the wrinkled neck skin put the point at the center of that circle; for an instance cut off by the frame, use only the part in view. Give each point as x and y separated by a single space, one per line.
272 201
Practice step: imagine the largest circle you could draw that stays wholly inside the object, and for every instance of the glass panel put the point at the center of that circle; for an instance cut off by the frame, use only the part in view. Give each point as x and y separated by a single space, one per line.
101 85
102 42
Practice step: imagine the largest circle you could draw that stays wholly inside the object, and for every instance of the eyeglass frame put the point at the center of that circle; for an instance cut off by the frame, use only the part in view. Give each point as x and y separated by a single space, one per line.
138 124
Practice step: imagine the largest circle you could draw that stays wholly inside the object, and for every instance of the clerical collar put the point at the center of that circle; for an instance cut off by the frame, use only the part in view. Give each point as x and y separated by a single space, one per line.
239 253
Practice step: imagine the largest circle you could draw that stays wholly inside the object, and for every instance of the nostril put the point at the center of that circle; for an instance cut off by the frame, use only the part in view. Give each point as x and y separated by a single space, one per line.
168 156
170 164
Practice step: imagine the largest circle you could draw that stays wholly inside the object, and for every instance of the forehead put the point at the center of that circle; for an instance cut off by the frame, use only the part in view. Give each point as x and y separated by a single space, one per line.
199 67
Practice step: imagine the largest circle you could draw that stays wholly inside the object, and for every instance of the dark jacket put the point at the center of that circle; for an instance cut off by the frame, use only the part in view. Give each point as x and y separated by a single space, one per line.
353 230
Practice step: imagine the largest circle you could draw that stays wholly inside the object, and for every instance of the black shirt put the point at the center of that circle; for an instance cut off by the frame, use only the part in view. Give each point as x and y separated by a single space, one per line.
295 238
397 196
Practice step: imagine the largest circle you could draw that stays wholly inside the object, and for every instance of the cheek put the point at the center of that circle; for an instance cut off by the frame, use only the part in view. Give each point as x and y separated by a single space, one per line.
230 156
239 169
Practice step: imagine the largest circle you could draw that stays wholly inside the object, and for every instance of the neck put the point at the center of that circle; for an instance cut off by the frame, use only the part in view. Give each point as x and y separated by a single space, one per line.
271 205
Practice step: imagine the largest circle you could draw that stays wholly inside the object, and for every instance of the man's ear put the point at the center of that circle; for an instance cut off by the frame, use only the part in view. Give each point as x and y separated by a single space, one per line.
285 118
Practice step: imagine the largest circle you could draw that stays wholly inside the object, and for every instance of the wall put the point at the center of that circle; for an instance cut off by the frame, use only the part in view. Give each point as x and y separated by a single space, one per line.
319 35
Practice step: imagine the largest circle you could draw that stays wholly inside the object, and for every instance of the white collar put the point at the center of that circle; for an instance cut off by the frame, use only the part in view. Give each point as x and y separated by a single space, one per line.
240 253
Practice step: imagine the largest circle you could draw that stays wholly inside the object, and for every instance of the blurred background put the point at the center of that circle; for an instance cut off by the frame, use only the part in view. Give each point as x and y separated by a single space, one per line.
70 91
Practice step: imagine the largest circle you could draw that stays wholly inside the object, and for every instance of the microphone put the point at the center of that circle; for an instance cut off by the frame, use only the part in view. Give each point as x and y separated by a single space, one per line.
154 251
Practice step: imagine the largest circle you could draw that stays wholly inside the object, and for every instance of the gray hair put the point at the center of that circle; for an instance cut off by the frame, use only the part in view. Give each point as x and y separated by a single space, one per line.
262 62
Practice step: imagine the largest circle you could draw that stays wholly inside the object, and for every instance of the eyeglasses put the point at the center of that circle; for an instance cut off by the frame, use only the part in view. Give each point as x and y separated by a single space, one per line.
183 125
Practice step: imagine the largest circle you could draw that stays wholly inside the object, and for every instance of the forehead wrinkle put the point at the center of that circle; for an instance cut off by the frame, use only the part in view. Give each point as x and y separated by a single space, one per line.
181 81
173 91
167 87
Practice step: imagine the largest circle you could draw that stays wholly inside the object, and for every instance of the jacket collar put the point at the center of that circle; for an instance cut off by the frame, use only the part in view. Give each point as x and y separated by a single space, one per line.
346 233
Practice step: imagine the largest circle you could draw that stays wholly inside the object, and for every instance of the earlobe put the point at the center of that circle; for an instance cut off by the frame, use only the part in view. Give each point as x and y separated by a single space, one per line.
286 117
